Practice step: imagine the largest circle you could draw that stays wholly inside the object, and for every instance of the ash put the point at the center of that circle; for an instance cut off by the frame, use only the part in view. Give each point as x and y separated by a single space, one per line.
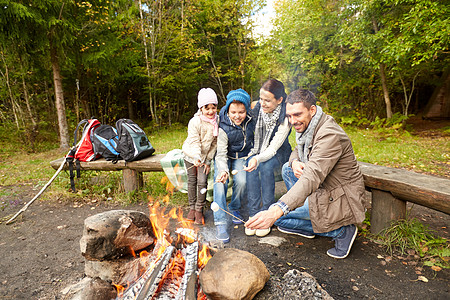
294 285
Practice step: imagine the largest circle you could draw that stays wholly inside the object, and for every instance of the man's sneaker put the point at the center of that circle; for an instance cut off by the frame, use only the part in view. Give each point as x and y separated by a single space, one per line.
343 244
262 232
222 234
249 231
238 216
299 232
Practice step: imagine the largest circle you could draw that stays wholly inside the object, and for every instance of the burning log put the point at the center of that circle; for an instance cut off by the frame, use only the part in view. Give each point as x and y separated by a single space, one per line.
188 289
146 285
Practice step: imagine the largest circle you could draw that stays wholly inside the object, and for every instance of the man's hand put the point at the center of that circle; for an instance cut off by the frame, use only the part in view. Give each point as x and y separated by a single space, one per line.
222 177
264 219
297 167
251 165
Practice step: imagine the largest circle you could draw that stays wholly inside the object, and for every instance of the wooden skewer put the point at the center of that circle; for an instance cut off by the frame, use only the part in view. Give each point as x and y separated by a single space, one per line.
215 207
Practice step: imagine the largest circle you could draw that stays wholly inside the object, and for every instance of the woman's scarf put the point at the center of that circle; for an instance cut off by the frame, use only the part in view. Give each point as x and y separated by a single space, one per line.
264 127
212 121
304 139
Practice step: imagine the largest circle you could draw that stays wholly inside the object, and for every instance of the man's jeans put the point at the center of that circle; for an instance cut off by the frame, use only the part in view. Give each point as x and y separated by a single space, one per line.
299 218
261 185
220 190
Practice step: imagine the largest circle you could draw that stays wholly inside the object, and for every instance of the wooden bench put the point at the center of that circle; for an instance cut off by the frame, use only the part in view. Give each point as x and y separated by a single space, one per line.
391 188
131 171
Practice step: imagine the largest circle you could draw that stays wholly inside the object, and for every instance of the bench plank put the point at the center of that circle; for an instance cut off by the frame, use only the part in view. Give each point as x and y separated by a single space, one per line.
149 164
426 190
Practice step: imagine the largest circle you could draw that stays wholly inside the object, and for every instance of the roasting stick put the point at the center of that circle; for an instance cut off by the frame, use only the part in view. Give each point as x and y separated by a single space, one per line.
40 192
185 171
215 207
234 172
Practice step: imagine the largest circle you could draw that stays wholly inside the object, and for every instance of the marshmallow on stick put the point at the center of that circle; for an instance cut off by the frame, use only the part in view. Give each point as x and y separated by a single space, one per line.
215 208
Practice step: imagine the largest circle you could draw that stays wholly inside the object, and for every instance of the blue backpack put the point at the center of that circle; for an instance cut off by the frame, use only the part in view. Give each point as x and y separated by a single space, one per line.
105 141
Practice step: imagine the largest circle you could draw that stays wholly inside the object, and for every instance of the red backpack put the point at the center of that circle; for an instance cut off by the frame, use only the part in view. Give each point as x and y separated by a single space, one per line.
83 150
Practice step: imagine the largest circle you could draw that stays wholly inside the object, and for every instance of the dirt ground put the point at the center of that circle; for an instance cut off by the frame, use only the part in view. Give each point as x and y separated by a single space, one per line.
41 254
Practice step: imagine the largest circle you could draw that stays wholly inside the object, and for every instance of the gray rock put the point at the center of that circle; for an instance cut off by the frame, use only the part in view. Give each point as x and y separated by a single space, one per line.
273 240
294 285
121 271
89 289
115 233
233 274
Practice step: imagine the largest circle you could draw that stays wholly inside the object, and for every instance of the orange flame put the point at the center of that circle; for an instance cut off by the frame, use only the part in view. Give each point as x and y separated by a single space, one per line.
203 257
132 251
173 213
159 223
166 199
164 179
120 289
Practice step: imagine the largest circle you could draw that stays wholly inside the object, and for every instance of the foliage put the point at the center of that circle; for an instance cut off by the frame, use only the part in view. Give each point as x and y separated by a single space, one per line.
412 234
144 60
338 47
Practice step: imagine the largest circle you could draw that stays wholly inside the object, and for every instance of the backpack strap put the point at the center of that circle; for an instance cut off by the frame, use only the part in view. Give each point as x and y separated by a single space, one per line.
77 163
69 159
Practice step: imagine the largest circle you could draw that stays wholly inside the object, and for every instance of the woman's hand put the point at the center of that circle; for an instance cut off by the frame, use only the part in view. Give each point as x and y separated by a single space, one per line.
222 177
297 167
251 165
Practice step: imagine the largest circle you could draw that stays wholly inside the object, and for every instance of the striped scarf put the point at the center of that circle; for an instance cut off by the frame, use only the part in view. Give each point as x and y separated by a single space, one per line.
264 127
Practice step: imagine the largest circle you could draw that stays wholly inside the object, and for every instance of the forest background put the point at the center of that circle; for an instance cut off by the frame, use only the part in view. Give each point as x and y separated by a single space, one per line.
61 61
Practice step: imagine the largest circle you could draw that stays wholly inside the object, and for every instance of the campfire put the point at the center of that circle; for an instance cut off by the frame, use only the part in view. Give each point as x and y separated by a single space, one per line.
129 255
170 269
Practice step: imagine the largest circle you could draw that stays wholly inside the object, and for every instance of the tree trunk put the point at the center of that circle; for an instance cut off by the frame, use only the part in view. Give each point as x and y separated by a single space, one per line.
59 98
147 65
27 98
14 105
387 100
131 113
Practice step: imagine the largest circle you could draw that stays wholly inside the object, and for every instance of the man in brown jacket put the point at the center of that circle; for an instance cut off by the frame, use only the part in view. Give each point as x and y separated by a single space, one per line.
324 182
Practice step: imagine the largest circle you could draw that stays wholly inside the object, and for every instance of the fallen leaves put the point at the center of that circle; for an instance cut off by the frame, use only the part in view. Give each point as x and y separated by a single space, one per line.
421 278
436 268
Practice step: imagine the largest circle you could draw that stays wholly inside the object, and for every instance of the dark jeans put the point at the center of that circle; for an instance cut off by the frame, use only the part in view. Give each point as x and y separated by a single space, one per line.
197 180
261 184
299 218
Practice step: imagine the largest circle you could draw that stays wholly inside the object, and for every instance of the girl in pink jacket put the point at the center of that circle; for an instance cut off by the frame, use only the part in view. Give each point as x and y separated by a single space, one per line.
199 149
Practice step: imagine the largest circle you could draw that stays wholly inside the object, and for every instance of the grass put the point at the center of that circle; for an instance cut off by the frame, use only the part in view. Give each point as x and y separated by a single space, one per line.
388 147
410 234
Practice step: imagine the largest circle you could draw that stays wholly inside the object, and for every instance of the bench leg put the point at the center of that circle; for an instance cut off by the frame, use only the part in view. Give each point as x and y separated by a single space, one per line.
385 209
132 180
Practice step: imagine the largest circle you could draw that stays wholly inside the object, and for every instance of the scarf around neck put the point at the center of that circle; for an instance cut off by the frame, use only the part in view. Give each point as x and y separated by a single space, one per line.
304 139
212 121
264 127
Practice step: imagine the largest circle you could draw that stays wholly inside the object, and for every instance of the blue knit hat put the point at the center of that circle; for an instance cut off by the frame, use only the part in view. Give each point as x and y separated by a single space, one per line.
238 95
